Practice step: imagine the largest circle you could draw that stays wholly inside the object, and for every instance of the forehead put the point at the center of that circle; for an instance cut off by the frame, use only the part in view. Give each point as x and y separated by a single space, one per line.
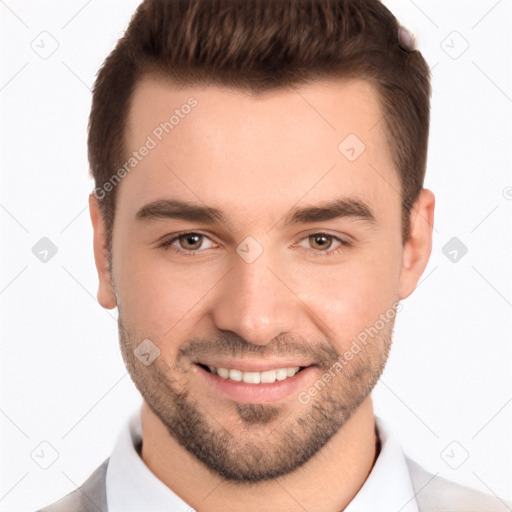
228 149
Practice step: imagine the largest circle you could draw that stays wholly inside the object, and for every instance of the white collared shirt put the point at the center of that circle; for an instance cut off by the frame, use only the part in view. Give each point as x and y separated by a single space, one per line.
132 487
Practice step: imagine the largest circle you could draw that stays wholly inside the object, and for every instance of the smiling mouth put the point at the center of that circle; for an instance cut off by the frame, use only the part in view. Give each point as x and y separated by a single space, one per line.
250 377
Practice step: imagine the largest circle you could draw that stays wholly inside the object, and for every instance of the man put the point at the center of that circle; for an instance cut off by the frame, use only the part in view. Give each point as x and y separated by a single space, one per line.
286 142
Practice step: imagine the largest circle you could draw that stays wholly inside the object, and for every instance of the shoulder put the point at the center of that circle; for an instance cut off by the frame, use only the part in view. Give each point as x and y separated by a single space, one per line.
437 494
89 497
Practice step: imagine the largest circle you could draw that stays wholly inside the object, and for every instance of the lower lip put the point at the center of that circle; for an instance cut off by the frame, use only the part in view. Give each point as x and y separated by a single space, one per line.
268 392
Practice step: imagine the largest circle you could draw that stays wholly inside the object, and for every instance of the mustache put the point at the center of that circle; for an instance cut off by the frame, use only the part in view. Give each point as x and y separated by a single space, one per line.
231 344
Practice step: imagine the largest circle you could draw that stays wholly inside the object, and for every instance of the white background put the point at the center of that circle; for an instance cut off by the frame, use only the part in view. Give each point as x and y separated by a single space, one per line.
63 380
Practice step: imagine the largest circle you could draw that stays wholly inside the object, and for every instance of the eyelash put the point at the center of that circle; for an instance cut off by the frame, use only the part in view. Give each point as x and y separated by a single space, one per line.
168 244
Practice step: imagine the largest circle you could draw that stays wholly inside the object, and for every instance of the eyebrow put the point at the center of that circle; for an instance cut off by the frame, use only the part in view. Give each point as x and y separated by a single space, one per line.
324 211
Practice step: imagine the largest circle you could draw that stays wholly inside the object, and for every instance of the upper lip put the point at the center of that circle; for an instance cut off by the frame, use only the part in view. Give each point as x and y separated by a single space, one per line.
247 365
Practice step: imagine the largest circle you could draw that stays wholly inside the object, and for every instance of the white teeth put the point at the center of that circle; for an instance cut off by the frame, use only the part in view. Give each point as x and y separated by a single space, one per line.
281 374
267 376
235 375
223 372
290 372
251 377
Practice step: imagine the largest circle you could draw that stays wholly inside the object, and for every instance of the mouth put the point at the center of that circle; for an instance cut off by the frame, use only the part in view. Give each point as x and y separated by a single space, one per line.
250 386
254 377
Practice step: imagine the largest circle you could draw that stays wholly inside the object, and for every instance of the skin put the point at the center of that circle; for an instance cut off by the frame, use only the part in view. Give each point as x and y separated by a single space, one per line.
255 159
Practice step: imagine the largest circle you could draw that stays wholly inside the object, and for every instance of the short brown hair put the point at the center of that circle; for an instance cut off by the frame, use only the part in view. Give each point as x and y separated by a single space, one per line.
258 46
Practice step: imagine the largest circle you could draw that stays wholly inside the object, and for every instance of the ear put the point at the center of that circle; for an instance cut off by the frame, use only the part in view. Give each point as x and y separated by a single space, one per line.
417 249
106 295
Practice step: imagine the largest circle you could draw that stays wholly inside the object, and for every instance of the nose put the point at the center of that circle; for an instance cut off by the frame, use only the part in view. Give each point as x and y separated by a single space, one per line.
256 301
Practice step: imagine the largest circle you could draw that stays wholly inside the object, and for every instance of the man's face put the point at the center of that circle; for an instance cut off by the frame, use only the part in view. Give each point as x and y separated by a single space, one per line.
264 289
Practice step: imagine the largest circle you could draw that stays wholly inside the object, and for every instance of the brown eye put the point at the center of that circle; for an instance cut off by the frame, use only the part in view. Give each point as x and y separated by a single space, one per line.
324 244
190 241
320 241
188 244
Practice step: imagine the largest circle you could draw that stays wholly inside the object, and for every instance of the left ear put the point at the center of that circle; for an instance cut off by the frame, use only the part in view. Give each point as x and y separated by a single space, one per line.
417 249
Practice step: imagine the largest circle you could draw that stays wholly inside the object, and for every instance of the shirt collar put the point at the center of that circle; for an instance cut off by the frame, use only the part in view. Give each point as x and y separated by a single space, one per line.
388 487
131 486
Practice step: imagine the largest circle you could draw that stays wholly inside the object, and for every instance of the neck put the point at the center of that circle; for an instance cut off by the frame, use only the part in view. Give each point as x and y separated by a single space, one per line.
335 473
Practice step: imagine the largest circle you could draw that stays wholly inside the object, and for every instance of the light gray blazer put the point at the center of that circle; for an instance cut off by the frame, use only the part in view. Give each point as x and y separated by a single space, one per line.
433 494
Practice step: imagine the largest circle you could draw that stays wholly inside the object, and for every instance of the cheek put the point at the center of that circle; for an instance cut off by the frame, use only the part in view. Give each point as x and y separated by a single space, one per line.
157 296
350 297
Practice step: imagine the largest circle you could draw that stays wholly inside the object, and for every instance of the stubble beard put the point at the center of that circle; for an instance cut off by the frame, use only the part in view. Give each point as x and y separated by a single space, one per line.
255 442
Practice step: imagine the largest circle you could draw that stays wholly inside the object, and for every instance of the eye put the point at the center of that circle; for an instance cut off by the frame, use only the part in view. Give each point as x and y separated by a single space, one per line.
187 243
192 243
322 242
